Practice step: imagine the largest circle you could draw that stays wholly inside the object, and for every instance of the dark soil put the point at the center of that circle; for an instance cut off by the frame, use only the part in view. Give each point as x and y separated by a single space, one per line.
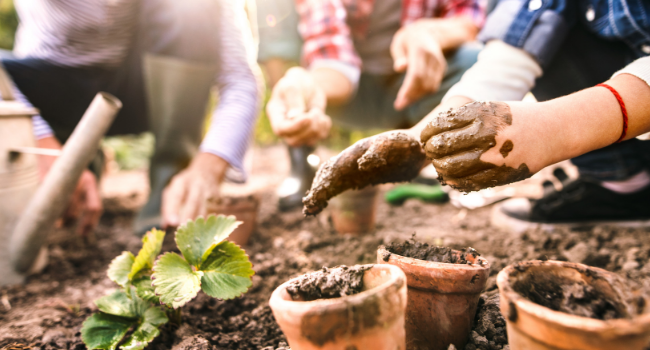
47 312
328 283
569 296
424 251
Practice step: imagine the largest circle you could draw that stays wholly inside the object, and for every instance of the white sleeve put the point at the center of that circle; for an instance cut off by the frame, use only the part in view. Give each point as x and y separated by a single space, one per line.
502 73
639 68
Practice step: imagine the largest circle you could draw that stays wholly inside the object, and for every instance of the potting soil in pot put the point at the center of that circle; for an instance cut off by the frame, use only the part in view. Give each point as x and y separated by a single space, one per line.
328 283
424 251
577 298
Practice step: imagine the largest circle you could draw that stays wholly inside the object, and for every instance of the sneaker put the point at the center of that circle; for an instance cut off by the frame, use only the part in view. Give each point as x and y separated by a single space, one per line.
580 203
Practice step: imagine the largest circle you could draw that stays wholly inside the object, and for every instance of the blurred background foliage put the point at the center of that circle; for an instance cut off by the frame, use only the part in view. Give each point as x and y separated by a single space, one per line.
8 24
133 151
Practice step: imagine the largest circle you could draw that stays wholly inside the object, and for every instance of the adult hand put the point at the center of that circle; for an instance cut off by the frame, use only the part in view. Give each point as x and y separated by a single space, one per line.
393 156
187 195
486 144
416 50
296 109
85 207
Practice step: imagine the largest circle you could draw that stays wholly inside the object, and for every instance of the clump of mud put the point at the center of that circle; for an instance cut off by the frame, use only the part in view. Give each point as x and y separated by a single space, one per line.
424 251
489 332
328 283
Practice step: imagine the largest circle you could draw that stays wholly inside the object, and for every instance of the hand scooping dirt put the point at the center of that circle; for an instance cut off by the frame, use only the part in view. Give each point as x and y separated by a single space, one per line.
393 156
457 139
328 283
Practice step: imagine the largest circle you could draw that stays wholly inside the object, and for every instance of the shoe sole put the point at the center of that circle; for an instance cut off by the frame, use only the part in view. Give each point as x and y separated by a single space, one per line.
502 221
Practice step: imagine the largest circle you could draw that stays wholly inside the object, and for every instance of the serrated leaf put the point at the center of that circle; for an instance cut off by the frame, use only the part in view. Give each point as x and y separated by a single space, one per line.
103 331
227 272
120 304
144 289
151 245
120 267
147 331
196 239
174 281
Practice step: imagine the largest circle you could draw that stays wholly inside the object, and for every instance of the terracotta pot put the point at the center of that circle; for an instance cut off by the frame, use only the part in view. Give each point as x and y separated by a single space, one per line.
353 211
535 327
244 209
442 299
372 319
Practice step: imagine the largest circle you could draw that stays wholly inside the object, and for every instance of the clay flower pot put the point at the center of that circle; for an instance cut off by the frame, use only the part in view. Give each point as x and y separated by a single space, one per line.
353 211
372 319
244 209
532 326
442 299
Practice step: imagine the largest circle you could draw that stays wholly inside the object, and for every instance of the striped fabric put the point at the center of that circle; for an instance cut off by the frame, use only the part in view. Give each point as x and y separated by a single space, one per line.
80 33
76 32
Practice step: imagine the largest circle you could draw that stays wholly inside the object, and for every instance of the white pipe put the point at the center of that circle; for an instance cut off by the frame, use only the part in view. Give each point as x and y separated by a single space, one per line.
53 195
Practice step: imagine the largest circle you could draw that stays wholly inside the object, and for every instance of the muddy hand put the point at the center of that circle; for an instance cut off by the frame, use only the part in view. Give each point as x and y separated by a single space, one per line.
456 139
393 156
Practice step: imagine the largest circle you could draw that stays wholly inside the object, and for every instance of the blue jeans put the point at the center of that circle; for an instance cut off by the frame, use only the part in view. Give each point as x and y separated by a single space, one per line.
583 61
372 106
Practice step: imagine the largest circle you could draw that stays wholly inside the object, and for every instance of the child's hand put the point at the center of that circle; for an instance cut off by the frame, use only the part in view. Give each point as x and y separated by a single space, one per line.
463 145
393 156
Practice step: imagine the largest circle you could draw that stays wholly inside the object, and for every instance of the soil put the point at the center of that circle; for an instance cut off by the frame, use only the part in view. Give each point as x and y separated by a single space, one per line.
579 298
47 312
424 251
328 283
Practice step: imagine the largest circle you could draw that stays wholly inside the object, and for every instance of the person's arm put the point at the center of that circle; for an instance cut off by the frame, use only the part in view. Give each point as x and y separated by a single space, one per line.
297 105
535 135
419 47
230 130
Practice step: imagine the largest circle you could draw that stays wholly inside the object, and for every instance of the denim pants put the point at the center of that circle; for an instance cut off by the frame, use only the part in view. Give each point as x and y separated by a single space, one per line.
583 61
372 106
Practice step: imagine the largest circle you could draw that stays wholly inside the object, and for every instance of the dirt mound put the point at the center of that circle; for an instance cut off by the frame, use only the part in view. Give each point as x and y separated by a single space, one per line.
424 251
328 283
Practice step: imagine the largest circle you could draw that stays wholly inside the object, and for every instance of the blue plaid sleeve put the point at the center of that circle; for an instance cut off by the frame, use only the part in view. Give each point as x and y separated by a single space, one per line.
537 26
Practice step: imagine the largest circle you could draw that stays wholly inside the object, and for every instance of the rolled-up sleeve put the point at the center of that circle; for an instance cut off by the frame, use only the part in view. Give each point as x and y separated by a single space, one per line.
537 26
327 37
234 118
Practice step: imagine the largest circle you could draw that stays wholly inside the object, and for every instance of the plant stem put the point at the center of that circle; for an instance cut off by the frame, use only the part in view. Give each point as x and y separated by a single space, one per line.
175 316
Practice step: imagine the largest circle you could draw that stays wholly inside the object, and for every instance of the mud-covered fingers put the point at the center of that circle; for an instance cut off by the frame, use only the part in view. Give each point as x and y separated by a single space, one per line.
496 176
453 118
472 136
461 164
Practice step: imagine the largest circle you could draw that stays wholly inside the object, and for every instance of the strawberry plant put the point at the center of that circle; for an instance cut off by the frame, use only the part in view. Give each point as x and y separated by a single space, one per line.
153 289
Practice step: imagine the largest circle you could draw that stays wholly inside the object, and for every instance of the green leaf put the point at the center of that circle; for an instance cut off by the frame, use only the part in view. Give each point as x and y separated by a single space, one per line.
147 330
196 239
117 304
121 304
103 331
120 267
151 245
174 281
144 289
227 272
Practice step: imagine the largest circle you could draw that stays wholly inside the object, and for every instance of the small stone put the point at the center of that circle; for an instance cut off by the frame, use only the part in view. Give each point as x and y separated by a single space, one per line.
578 253
630 265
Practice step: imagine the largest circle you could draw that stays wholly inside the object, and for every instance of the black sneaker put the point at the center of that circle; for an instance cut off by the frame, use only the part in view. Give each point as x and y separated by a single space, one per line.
580 203
294 187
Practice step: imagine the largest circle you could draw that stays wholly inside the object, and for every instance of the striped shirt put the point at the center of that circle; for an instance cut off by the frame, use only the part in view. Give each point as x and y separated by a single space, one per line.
81 33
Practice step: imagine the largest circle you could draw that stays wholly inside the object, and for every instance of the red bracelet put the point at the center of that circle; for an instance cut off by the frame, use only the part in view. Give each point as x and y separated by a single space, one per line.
623 109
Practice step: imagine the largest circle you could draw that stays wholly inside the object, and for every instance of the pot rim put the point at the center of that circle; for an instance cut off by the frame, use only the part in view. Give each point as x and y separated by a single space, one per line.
620 326
397 278
434 264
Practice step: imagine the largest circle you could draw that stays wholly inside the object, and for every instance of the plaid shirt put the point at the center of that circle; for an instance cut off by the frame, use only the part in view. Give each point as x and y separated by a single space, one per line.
329 26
